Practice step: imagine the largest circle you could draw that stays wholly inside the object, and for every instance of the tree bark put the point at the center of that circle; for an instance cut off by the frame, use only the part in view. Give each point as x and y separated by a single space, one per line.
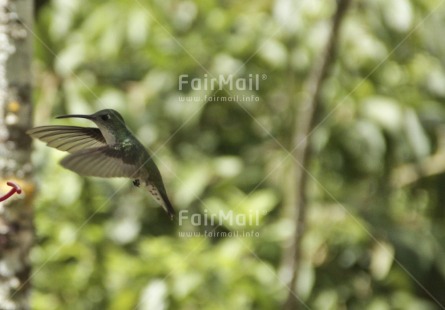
16 213
305 124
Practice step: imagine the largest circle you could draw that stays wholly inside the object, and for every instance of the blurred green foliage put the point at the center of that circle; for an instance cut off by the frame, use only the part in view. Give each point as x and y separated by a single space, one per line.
374 240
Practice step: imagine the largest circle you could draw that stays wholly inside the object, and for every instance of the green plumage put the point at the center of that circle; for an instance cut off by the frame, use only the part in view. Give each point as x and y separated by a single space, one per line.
108 151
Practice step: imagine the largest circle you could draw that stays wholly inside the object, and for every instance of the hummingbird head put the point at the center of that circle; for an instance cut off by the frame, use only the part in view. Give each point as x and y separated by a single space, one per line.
107 118
108 121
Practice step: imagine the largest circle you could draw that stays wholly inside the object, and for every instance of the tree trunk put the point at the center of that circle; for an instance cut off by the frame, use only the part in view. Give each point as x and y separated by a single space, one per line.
305 125
16 213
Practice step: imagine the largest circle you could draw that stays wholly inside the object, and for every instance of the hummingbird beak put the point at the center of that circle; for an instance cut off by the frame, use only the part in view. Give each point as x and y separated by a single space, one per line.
76 116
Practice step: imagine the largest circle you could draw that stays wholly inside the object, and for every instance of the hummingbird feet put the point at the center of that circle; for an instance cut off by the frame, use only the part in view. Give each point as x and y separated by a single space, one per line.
136 182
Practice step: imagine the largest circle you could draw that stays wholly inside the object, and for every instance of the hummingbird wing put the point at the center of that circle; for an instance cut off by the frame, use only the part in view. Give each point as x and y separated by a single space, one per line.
105 162
69 138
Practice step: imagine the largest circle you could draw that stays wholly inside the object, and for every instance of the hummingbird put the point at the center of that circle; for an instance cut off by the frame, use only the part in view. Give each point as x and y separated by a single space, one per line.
108 151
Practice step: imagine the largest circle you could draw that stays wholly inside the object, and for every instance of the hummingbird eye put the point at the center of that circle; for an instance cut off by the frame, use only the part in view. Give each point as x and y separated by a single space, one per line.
105 117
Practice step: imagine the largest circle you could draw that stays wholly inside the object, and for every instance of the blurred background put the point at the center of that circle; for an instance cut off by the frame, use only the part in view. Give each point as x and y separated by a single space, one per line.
376 213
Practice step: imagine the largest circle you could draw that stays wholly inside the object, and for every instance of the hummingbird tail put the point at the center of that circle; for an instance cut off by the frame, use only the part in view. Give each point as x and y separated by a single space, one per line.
161 197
